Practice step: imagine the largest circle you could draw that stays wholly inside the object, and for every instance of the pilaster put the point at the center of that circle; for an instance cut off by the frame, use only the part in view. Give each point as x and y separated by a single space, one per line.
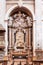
38 24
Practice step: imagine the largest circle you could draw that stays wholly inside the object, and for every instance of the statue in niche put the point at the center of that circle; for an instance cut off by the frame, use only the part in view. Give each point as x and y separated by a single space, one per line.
20 38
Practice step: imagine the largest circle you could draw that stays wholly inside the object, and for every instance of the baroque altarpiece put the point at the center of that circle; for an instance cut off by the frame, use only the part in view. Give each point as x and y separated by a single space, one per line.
20 38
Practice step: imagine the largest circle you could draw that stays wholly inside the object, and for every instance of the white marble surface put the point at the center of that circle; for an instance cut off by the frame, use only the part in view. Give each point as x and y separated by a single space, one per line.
2 17
37 26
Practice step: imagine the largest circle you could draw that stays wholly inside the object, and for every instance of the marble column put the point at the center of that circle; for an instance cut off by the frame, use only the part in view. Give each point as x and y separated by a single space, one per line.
9 37
38 24
6 38
33 42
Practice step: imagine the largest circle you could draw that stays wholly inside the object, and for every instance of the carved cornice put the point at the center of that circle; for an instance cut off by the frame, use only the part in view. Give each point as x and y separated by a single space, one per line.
18 0
23 1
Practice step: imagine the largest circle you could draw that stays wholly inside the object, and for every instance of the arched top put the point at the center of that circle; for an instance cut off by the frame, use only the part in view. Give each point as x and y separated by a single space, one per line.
14 9
22 9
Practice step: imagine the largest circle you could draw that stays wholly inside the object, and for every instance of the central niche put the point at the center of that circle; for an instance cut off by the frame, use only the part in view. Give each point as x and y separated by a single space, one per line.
20 30
20 38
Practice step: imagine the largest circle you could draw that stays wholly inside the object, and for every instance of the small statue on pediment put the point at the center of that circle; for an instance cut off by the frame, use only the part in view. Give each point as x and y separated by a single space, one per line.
29 20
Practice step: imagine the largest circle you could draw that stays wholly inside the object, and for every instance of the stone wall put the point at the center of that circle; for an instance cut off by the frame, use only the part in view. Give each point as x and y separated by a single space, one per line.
36 8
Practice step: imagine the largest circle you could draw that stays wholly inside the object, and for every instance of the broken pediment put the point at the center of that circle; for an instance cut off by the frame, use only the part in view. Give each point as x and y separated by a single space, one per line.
20 19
